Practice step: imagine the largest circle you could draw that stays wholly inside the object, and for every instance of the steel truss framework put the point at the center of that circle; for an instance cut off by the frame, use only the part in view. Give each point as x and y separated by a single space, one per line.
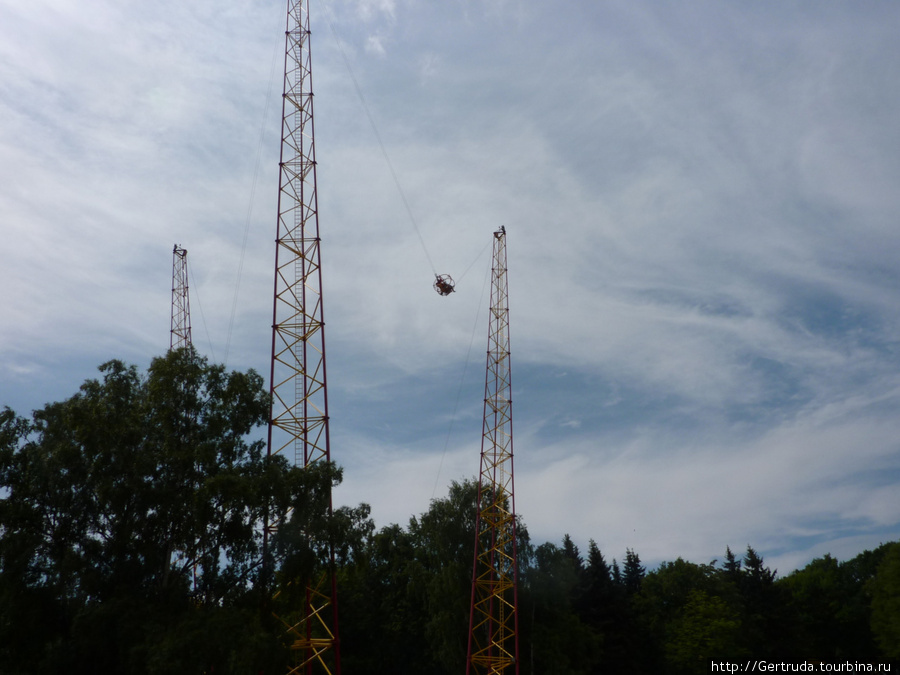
181 306
298 427
493 622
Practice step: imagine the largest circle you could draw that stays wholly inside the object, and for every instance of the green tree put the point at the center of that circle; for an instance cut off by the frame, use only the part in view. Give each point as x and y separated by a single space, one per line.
405 599
706 629
603 605
443 540
833 605
731 568
382 617
598 592
130 522
885 592
766 618
559 642
690 616
570 550
857 615
633 572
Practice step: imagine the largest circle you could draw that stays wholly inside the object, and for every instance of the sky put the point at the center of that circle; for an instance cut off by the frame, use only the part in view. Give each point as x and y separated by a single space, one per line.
701 203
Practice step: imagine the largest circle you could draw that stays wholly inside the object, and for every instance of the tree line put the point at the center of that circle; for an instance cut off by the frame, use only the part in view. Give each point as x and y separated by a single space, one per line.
131 542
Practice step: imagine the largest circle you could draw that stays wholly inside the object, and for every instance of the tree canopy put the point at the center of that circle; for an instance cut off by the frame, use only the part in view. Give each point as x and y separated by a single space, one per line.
131 542
130 523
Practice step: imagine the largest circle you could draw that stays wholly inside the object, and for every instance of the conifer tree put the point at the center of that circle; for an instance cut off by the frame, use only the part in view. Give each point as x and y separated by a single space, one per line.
633 572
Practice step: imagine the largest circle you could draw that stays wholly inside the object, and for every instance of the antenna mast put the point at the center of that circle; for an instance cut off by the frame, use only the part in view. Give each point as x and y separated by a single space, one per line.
298 426
493 619
181 306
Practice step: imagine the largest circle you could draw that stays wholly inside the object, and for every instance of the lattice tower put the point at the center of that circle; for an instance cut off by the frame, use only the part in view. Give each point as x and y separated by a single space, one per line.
493 624
180 335
298 427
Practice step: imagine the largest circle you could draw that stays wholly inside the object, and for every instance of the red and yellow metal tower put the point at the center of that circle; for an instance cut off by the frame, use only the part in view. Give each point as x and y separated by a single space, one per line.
493 623
298 427
180 334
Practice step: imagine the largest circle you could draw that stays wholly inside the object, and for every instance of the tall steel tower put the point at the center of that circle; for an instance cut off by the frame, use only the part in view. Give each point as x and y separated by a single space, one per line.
298 426
181 306
493 621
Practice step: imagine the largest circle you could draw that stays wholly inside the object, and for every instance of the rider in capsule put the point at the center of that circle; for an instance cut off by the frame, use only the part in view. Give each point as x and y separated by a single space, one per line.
443 284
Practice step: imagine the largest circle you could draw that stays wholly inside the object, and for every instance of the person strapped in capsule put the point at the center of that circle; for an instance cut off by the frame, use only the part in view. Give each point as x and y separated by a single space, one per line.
443 284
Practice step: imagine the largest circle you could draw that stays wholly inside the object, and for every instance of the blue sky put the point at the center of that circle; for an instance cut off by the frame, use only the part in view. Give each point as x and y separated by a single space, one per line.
701 200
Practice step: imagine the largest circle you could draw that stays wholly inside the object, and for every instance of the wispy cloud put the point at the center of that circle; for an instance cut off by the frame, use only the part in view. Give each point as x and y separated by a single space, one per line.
700 203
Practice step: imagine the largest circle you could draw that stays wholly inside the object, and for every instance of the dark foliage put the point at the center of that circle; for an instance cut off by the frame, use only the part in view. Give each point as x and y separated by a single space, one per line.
130 542
130 524
405 605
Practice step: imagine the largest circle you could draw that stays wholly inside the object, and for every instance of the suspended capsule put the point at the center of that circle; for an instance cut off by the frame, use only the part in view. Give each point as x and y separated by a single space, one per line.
443 284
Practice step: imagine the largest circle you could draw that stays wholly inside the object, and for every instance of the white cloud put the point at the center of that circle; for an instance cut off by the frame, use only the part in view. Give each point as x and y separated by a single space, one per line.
700 205
370 9
375 45
666 496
